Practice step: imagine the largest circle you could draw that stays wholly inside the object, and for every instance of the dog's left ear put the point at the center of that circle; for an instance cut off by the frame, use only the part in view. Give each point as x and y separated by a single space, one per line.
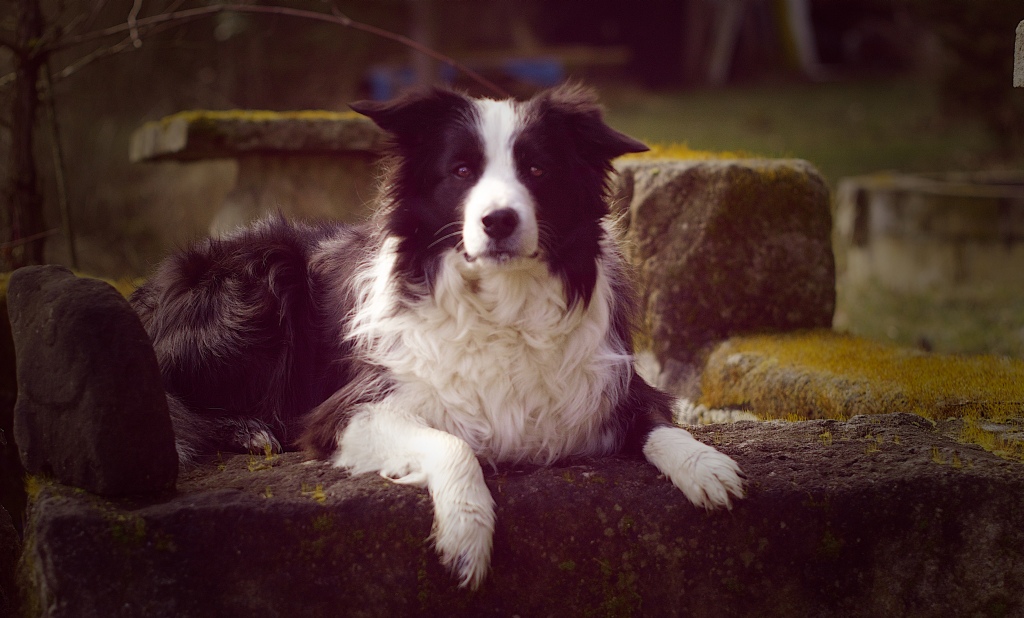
415 113
576 106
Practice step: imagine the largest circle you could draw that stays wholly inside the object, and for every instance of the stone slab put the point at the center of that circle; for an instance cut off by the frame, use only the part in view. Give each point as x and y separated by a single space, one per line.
201 134
828 375
823 374
877 516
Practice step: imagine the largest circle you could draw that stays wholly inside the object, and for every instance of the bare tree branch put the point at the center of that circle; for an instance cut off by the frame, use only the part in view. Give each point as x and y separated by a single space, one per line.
336 17
74 67
28 239
133 29
58 166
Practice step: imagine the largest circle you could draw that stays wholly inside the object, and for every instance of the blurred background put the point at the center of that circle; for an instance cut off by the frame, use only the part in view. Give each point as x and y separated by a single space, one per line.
857 87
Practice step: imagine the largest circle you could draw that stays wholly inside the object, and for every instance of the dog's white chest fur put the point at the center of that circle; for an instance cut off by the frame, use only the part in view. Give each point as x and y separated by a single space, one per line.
494 357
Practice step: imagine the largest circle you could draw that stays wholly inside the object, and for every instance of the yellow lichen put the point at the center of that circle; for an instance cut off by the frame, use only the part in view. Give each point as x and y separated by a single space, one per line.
841 375
981 432
247 115
682 151
316 492
33 486
124 285
822 374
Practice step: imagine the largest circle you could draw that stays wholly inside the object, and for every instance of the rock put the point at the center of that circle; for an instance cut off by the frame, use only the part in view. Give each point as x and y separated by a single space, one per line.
307 164
10 551
725 247
828 375
195 135
824 374
878 516
934 258
12 477
1018 58
91 409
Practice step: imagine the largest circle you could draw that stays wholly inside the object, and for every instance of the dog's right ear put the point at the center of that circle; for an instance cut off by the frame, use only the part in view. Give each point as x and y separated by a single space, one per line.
415 113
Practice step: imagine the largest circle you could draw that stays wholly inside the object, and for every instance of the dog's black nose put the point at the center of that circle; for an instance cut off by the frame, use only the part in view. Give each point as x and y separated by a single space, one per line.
500 224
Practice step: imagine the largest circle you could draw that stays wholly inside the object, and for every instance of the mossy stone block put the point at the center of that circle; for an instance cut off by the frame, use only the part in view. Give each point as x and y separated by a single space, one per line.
204 134
91 408
822 374
724 247
841 519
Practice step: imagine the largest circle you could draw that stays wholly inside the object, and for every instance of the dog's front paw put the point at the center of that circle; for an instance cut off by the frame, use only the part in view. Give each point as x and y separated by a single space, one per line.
254 436
707 477
464 526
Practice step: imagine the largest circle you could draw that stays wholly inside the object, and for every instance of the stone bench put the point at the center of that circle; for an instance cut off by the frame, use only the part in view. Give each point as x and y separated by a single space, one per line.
308 165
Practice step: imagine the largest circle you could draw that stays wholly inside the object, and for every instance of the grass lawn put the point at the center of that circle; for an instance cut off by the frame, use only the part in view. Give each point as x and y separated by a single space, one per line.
845 128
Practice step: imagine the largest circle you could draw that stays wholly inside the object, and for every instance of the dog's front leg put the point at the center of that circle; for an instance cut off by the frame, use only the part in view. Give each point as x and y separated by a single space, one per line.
706 476
401 448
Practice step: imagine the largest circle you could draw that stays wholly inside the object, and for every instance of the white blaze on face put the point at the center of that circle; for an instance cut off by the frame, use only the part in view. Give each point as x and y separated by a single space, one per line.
499 187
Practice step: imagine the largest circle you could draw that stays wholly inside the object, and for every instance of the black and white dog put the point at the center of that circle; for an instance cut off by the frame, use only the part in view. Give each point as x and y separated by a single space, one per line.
484 313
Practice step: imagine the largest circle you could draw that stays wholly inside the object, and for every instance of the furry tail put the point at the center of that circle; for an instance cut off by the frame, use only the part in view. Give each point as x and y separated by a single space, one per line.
235 329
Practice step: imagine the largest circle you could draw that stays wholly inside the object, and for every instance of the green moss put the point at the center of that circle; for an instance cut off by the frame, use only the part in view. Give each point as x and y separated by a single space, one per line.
992 438
245 115
619 595
316 492
840 367
822 374
323 523
128 530
830 547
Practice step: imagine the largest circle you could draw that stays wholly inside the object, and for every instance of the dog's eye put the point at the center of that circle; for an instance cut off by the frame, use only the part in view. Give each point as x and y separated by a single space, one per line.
536 172
462 171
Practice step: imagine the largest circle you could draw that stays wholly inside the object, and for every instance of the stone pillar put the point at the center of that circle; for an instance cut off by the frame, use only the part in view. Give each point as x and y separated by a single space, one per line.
726 247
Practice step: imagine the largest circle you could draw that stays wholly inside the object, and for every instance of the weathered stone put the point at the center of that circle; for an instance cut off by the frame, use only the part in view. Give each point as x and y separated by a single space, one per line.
91 409
1018 58
878 516
307 165
195 135
10 551
932 259
12 482
827 375
725 247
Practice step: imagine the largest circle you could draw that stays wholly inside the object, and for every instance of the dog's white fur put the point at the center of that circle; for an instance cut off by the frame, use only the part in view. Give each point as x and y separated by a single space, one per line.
499 186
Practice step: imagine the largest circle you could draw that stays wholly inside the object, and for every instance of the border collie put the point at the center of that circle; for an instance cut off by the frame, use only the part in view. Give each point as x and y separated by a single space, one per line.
484 313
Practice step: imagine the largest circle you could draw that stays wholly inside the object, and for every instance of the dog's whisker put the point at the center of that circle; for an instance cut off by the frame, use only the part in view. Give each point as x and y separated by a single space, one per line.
444 238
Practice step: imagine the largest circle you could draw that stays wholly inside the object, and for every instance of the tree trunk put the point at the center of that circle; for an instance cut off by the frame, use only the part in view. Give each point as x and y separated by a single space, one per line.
25 214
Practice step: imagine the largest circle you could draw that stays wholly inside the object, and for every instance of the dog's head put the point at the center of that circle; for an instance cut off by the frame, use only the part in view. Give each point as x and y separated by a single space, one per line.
504 183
